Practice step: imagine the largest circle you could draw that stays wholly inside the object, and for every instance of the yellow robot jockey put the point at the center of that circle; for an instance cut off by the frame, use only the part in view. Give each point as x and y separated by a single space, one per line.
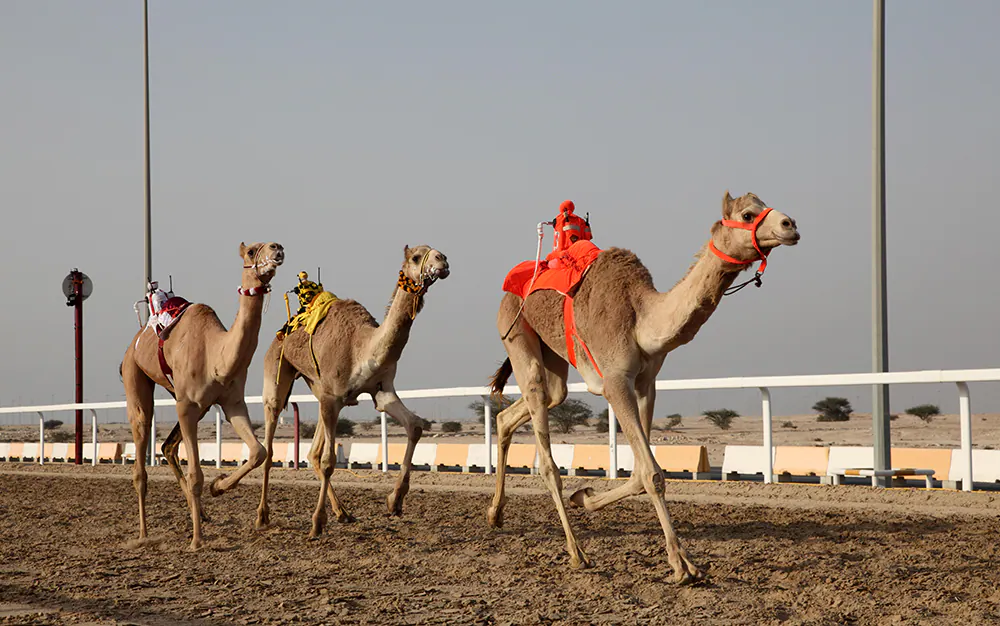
306 291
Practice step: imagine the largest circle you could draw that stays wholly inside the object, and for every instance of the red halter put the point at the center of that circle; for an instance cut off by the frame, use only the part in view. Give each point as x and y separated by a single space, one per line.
752 227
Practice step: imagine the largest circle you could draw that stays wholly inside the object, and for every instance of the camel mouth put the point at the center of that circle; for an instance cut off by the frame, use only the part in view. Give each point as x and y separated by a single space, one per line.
434 273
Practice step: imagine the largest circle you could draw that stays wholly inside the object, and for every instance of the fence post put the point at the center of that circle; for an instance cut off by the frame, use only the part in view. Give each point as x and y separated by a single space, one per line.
765 396
41 438
295 445
385 445
488 418
93 434
218 437
965 418
152 439
612 444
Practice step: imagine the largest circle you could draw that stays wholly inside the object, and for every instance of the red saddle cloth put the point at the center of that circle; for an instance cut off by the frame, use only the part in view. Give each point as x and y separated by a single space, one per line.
175 307
561 271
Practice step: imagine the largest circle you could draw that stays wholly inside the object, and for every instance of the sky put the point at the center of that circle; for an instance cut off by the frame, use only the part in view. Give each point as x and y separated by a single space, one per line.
345 131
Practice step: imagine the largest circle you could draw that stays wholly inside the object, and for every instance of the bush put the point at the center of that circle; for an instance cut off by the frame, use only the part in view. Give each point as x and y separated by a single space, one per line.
926 412
833 410
723 418
893 417
673 421
569 414
369 425
788 425
601 425
255 426
451 427
426 425
345 427
478 409
51 424
61 436
307 430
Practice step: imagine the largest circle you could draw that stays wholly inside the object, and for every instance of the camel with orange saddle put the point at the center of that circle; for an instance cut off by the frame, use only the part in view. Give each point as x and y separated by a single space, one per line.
604 307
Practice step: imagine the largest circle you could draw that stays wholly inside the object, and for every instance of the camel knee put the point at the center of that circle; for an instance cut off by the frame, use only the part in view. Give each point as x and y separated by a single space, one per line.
257 455
653 482
557 396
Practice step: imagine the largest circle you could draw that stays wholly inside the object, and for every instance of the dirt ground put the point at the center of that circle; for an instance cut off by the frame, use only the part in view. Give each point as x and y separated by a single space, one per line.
779 554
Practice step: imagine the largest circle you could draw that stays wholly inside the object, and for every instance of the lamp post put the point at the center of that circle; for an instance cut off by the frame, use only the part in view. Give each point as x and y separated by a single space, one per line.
77 287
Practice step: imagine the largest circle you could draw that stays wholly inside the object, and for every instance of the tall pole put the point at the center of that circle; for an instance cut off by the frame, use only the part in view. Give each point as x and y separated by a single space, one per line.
148 220
78 349
880 339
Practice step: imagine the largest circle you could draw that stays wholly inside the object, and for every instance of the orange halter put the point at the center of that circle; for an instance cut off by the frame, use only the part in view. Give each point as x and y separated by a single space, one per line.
752 227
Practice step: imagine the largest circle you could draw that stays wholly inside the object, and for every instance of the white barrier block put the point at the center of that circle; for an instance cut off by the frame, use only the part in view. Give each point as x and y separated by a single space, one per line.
626 460
207 452
30 451
128 454
850 456
364 453
744 460
985 466
562 454
59 451
424 454
4 450
477 455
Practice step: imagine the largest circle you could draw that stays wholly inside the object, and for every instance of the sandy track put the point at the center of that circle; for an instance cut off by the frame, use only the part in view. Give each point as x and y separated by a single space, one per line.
779 554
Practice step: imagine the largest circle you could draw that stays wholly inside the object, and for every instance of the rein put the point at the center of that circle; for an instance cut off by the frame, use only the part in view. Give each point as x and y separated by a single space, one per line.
417 288
762 255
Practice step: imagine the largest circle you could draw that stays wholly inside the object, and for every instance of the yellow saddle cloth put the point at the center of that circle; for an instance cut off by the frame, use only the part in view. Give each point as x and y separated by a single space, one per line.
314 313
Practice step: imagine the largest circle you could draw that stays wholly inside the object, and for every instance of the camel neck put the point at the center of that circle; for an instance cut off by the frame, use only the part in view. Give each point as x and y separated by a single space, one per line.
241 339
672 319
392 335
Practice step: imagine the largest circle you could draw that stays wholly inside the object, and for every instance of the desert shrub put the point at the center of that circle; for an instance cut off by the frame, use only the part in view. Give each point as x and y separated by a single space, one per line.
451 427
926 412
893 417
345 427
788 425
833 410
569 414
61 436
51 424
722 418
673 421
601 425
255 426
307 429
426 425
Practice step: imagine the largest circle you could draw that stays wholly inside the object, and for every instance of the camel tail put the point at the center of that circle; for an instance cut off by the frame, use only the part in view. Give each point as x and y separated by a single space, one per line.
499 381
121 376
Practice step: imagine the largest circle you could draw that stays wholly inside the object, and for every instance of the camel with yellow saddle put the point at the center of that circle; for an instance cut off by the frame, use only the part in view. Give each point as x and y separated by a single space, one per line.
342 352
613 316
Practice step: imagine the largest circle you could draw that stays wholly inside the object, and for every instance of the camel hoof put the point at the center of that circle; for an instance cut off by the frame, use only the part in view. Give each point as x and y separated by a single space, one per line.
205 518
579 497
494 517
263 522
394 505
214 487
580 561
691 575
345 518
195 546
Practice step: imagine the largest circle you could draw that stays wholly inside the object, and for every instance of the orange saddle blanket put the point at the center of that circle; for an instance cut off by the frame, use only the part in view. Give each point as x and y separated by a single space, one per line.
560 271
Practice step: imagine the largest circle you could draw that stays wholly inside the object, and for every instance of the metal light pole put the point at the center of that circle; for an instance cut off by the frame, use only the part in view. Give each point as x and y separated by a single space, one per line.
148 220
880 318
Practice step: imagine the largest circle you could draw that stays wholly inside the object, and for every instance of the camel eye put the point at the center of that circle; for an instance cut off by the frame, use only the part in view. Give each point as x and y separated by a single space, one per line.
415 258
748 217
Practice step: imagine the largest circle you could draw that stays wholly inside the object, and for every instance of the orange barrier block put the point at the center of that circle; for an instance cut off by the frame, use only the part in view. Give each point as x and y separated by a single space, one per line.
16 450
801 460
452 455
521 455
682 458
938 460
590 457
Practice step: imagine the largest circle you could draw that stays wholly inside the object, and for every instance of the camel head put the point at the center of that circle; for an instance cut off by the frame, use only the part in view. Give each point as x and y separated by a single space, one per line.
741 226
260 261
423 265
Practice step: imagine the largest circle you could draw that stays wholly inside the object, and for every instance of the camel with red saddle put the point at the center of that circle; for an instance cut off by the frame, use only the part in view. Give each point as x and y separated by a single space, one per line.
614 317
349 354
200 363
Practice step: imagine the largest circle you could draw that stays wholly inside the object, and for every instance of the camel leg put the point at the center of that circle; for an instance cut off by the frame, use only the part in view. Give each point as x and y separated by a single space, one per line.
508 421
139 393
340 512
515 416
326 460
188 416
586 497
387 400
276 393
238 415
620 393
171 446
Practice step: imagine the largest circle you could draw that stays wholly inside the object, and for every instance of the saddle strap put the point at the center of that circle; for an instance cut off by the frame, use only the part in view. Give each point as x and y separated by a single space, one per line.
569 322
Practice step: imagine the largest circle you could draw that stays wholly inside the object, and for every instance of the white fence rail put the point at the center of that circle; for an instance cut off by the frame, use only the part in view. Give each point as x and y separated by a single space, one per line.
960 378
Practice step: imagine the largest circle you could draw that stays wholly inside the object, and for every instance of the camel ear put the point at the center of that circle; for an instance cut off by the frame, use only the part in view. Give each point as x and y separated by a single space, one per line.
243 250
406 252
727 202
